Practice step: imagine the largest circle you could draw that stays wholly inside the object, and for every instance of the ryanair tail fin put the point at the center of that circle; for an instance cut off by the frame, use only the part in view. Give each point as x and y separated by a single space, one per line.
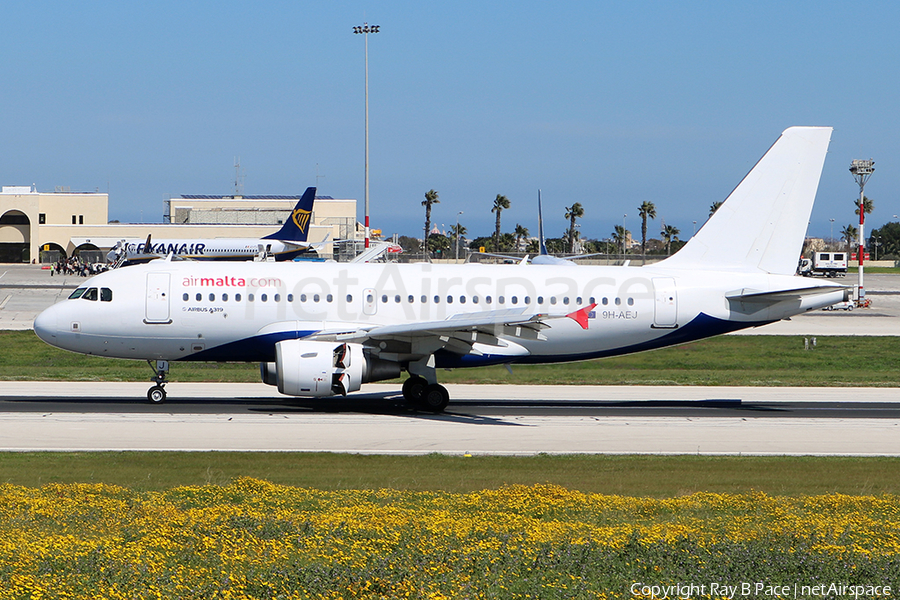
296 228
762 223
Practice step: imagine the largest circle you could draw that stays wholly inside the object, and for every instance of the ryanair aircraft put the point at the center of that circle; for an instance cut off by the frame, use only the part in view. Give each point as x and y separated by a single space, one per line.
285 244
325 329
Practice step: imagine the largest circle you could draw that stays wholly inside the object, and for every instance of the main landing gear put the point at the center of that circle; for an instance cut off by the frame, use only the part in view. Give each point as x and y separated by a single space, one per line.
157 394
432 396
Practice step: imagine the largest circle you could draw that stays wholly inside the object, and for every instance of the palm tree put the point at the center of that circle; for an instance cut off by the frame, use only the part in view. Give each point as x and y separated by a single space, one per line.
848 234
500 203
867 206
573 212
521 233
669 234
647 210
714 207
620 236
457 231
431 197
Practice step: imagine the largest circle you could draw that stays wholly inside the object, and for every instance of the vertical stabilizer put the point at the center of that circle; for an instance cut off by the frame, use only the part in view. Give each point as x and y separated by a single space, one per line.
296 228
762 223
543 244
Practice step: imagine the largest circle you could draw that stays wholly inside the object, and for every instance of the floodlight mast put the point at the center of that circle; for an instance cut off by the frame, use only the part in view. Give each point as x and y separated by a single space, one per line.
861 171
366 29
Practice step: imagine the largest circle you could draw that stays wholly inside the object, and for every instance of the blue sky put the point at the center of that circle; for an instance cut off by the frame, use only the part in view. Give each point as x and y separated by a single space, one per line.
606 104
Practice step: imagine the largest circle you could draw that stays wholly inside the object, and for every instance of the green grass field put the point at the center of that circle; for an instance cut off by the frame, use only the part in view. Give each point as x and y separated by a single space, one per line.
725 360
645 476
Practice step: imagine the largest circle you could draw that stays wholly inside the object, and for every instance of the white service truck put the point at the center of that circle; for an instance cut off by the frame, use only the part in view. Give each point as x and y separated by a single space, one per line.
824 264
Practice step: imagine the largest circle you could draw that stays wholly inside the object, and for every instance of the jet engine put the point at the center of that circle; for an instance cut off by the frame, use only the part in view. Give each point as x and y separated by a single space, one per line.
316 369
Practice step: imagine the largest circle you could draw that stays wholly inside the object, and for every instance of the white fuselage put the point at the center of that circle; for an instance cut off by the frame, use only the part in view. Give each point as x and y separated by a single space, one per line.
237 311
213 248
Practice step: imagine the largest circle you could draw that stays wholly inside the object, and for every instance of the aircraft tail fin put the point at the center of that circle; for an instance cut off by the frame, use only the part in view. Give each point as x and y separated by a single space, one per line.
543 244
762 223
296 228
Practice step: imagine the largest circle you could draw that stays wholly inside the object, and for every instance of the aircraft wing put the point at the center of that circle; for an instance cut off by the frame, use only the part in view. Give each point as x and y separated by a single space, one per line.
477 333
512 321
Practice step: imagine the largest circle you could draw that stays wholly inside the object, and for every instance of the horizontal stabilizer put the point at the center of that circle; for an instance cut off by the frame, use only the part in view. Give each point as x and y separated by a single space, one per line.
754 296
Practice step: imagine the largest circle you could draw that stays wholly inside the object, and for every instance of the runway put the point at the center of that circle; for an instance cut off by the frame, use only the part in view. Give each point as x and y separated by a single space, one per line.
481 420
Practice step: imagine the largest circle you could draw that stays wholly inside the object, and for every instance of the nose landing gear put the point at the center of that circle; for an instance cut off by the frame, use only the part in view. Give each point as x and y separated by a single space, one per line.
157 394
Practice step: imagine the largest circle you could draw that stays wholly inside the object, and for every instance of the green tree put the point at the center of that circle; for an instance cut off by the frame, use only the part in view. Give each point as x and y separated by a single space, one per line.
431 197
714 207
888 236
456 232
438 244
409 244
573 212
521 233
501 203
647 210
848 234
620 236
556 245
669 234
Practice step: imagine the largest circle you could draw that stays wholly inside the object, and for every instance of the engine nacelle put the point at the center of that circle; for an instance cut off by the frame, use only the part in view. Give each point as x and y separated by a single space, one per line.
316 369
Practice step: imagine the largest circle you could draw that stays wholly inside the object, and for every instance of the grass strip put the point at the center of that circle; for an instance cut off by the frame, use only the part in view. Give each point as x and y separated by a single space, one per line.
725 360
631 475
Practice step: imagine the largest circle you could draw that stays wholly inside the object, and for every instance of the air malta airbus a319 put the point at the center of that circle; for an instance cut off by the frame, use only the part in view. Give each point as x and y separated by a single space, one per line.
324 329
285 244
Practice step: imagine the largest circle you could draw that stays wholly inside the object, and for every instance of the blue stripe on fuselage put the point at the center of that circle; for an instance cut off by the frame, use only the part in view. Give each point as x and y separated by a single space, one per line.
703 326
259 348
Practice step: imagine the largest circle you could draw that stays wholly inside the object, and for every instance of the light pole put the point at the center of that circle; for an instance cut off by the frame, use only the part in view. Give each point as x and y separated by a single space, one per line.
831 239
366 29
456 238
862 170
695 229
623 235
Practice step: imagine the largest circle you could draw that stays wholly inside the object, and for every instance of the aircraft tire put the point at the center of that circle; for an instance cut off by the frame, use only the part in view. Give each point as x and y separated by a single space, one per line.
414 389
156 395
435 398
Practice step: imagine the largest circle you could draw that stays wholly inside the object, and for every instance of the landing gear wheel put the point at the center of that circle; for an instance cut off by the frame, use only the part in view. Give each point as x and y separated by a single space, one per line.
435 398
157 394
414 389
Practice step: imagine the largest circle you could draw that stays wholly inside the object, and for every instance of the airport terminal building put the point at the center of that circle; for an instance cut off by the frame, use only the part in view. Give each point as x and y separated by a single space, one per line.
45 226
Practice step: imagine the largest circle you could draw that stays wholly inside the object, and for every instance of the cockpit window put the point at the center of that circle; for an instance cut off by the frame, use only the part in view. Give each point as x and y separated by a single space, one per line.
105 295
77 293
91 294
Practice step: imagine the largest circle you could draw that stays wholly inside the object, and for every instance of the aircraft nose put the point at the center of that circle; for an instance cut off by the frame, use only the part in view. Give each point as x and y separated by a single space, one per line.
45 325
